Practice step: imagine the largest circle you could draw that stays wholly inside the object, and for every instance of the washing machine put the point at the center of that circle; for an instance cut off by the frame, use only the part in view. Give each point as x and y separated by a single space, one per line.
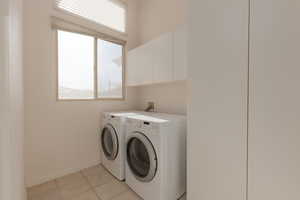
112 139
156 156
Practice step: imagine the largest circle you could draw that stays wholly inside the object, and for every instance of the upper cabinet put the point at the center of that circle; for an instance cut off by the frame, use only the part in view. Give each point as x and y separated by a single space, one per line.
131 71
162 58
158 61
137 75
180 53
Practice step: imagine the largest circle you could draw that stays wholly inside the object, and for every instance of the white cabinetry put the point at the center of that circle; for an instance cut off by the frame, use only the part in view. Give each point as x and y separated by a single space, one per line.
180 54
131 71
144 68
139 66
160 60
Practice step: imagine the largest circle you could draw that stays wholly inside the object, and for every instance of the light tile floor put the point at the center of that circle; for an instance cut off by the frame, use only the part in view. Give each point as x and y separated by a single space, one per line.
94 183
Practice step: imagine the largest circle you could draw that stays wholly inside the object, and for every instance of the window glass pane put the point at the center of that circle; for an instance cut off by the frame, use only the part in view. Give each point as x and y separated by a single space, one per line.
75 66
110 13
110 69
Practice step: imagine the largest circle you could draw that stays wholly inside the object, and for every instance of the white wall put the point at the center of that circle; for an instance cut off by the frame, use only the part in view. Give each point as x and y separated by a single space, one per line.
156 17
11 103
168 97
61 137
217 106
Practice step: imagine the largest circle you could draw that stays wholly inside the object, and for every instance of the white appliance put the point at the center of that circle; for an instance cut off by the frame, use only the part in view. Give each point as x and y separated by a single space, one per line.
156 156
112 140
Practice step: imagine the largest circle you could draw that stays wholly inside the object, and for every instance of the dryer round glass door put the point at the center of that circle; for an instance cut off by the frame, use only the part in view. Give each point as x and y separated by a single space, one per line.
141 157
109 141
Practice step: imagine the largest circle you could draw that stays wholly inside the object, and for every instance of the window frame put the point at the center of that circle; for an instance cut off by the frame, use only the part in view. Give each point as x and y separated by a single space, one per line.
96 66
120 2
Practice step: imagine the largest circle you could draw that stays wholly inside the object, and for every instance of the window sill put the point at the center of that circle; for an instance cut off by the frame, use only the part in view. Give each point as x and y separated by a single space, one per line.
98 99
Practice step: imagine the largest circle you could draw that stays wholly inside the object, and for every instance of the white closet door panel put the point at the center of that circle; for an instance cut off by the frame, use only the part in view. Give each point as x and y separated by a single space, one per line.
180 53
162 51
217 107
274 138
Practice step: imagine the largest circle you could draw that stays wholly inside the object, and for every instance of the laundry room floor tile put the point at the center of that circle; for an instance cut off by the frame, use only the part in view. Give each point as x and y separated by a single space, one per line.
94 170
42 188
72 185
72 191
128 195
94 183
53 194
97 175
111 189
71 180
89 195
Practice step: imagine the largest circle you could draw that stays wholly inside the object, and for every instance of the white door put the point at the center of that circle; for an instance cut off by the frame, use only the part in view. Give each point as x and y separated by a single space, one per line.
162 51
274 137
217 107
180 53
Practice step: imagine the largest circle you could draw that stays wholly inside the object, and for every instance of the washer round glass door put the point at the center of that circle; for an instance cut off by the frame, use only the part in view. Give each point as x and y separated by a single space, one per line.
141 157
110 143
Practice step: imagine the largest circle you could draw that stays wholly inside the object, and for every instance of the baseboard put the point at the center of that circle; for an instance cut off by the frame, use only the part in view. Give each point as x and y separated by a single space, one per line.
59 174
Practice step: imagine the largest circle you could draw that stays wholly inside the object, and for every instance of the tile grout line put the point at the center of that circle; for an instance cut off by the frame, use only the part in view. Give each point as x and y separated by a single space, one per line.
83 176
92 187
124 182
129 190
59 189
117 195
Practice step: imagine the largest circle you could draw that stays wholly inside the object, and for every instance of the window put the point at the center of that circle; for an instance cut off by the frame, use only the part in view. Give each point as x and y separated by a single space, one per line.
75 66
110 13
110 69
89 67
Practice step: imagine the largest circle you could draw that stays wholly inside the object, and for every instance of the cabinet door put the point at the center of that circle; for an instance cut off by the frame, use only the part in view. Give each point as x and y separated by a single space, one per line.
180 54
162 51
145 64
274 137
132 67
139 66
